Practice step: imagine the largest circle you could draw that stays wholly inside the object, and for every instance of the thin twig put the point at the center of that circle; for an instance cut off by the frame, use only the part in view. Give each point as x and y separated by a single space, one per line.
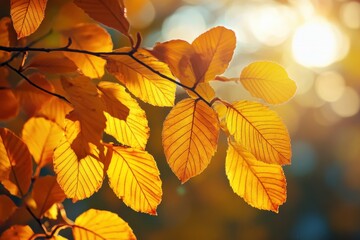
36 218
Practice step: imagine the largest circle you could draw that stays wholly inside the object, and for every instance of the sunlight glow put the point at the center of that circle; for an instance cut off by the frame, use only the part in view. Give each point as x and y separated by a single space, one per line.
348 104
330 86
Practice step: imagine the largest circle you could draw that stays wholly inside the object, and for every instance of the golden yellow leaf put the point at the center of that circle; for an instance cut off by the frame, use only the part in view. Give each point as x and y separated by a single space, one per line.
55 110
46 191
31 99
204 90
52 212
213 52
9 107
7 208
125 120
27 15
79 171
261 185
108 12
15 163
259 130
41 136
52 62
142 82
134 177
89 37
98 225
269 81
18 232
189 137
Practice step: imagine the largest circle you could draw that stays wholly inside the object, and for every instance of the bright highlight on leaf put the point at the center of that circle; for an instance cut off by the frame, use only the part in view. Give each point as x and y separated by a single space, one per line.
269 81
15 163
98 225
261 185
189 137
134 177
259 130
27 15
142 82
7 208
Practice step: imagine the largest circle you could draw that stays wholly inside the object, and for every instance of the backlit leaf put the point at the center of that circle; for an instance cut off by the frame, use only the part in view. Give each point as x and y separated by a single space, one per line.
98 225
89 37
79 171
55 110
109 12
189 137
7 208
41 136
142 82
261 185
269 81
125 120
9 107
27 15
134 177
18 232
15 163
259 130
46 191
52 62
5 23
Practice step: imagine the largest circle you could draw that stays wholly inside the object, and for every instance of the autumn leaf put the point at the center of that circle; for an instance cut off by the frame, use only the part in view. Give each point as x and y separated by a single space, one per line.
269 81
27 15
88 37
9 107
15 163
189 137
55 110
7 208
5 23
109 12
139 80
53 62
98 224
259 130
125 120
41 136
17 232
261 185
134 177
46 191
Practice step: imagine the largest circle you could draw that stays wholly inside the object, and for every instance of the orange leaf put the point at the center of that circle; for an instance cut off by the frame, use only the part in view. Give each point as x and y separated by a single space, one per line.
98 224
7 208
9 107
134 177
5 23
269 81
53 62
109 12
261 185
55 110
125 120
15 163
31 99
18 232
76 163
41 136
88 37
142 82
189 137
27 15
259 130
46 192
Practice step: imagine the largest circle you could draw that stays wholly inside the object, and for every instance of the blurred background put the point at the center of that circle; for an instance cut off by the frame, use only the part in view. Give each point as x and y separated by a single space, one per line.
318 43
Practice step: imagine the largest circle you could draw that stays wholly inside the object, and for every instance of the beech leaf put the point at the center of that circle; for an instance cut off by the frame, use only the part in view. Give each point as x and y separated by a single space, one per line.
17 232
53 62
7 208
9 107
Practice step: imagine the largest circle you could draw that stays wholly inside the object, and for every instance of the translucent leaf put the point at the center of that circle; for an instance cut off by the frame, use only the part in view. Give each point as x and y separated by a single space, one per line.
31 99
9 107
213 52
98 225
259 130
5 23
142 82
125 120
15 163
89 37
261 185
27 15
134 177
269 81
18 232
109 12
52 62
204 90
55 110
7 208
41 136
46 191
189 137
79 171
